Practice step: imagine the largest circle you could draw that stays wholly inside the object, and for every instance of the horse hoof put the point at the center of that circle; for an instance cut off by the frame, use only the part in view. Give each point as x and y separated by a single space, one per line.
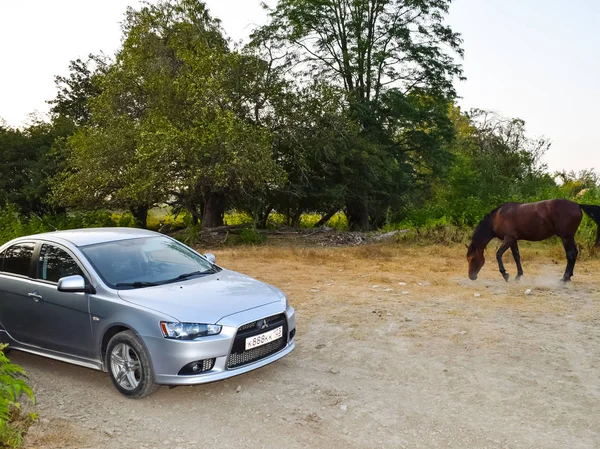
565 280
506 276
518 278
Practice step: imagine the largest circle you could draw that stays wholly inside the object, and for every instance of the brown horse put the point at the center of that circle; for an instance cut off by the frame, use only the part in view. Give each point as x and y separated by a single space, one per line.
529 221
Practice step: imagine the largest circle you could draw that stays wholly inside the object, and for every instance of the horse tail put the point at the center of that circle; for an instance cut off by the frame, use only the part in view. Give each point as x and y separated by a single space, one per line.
594 213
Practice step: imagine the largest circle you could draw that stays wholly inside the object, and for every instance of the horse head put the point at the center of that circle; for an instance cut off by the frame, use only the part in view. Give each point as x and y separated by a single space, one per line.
476 259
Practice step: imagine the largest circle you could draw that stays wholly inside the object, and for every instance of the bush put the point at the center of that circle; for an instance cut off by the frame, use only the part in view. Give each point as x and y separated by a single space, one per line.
251 237
13 424
339 221
13 224
190 235
234 217
439 232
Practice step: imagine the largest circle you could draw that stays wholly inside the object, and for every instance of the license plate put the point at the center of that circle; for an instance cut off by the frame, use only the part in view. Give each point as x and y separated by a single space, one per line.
263 339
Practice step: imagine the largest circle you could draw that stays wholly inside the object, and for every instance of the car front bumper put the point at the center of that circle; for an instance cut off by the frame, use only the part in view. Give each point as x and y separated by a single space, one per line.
170 356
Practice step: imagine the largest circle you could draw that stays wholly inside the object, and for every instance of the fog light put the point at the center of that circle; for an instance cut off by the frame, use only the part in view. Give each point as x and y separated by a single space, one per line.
197 367
292 333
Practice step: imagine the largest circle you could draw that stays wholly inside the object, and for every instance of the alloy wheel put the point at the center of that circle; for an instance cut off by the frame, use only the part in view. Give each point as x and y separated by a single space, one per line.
126 367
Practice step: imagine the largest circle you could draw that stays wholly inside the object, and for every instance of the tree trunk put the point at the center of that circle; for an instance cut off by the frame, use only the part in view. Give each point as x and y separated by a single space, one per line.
357 214
295 218
213 210
263 217
140 215
196 215
377 218
325 218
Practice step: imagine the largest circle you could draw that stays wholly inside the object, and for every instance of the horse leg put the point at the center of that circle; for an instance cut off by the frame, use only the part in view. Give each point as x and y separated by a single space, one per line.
571 251
515 252
506 243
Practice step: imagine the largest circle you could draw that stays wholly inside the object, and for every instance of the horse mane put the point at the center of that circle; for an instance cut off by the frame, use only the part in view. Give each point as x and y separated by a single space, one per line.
483 231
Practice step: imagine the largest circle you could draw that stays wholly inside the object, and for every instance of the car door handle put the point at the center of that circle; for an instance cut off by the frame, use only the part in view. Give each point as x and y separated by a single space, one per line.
35 295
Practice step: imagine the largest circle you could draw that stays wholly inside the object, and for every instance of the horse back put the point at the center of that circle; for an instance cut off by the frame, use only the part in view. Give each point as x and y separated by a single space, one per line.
539 220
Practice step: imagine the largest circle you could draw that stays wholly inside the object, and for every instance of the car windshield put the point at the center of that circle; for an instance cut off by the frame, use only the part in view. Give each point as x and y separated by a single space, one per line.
144 262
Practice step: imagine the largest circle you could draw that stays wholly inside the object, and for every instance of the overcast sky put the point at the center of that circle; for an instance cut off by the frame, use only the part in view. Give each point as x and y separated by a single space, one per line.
533 59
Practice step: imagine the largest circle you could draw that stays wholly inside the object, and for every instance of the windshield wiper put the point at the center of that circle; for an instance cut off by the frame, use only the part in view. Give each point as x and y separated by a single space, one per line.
189 275
136 284
194 273
142 284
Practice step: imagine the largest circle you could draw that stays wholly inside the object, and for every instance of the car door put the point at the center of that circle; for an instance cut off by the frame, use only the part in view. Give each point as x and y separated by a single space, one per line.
66 326
18 311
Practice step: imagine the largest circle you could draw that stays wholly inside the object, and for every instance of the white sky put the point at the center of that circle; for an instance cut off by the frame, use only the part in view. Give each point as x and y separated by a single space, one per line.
534 59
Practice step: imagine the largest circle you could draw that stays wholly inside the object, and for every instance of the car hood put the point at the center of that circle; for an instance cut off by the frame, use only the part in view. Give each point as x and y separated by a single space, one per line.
205 299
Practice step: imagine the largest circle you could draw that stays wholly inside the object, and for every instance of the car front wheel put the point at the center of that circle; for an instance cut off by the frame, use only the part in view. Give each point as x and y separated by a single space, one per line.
129 366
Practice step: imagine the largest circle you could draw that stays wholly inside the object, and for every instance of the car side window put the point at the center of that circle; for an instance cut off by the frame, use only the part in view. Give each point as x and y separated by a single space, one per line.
17 259
55 263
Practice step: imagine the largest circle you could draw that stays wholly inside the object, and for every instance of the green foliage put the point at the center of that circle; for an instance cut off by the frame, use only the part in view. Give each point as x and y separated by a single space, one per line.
166 220
390 61
29 160
234 217
190 235
13 224
366 45
493 161
75 91
251 236
164 124
12 388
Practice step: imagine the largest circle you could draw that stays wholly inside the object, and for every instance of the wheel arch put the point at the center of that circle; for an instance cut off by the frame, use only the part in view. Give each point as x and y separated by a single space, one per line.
109 333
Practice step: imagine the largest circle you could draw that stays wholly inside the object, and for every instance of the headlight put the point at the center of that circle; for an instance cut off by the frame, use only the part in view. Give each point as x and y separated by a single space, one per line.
188 331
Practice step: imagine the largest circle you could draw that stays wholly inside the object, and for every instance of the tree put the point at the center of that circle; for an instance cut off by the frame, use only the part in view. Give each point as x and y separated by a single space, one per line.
382 53
312 134
29 160
493 161
164 124
104 169
76 90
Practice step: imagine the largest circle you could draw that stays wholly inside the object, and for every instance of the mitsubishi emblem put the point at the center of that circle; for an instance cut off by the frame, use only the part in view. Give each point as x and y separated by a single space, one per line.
264 324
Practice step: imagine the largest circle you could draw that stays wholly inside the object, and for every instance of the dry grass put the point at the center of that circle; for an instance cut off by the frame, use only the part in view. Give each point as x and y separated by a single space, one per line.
55 433
369 278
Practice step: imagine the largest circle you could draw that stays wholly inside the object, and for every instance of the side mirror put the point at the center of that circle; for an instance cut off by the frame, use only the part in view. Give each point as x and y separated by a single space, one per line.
210 257
72 284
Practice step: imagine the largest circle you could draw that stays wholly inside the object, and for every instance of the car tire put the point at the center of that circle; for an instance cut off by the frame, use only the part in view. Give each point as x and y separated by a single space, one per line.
129 366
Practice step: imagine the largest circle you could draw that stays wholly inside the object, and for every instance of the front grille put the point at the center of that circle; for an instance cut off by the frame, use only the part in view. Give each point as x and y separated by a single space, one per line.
208 364
245 327
258 324
252 355
240 357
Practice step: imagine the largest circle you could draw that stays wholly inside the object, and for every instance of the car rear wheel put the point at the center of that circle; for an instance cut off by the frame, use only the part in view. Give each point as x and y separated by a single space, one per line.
129 366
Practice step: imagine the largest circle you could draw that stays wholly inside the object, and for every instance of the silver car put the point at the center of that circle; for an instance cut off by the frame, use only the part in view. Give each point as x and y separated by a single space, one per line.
140 305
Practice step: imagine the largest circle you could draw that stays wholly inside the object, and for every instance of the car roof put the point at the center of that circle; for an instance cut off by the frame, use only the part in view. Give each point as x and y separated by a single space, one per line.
91 236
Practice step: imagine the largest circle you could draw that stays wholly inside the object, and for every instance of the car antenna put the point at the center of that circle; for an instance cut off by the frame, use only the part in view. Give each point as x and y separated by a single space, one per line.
42 220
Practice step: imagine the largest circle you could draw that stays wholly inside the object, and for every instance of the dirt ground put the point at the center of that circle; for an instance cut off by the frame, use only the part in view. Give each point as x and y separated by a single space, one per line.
396 348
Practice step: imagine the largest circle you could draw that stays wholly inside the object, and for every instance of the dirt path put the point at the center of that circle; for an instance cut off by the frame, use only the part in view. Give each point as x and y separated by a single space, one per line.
378 364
